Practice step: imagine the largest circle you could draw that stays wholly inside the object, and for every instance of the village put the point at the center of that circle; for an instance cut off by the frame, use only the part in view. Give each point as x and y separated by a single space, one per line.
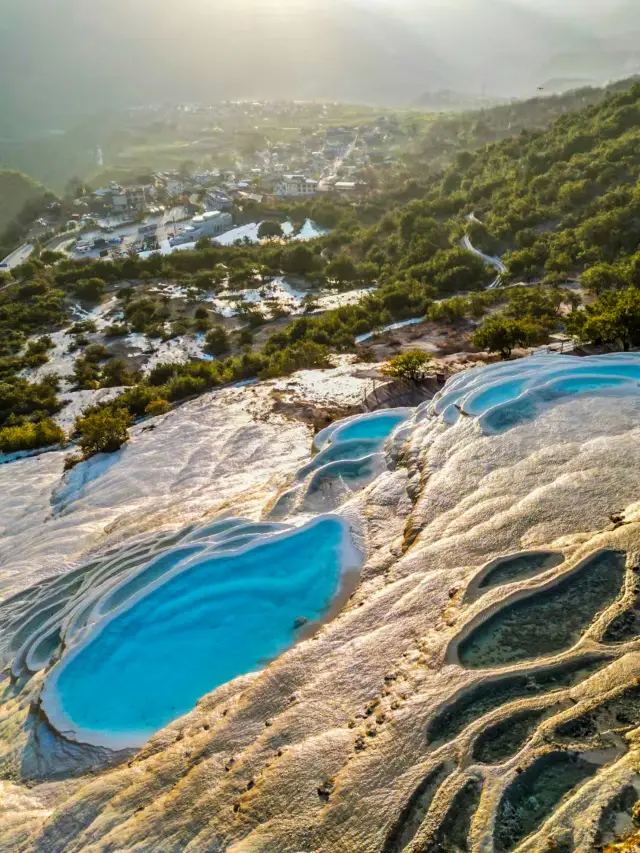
164 209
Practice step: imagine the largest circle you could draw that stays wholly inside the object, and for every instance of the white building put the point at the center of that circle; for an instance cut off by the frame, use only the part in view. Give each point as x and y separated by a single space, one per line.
296 186
216 200
119 202
175 186
138 197
209 224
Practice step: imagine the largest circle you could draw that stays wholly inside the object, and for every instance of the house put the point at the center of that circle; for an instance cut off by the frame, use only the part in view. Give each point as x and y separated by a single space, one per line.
348 186
138 197
217 200
175 186
208 224
203 179
119 202
255 197
296 186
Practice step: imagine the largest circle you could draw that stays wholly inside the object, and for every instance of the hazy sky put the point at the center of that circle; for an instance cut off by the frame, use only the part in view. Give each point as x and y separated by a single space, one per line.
66 56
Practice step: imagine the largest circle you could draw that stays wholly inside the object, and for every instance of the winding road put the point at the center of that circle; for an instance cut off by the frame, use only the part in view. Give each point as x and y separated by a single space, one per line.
17 257
491 261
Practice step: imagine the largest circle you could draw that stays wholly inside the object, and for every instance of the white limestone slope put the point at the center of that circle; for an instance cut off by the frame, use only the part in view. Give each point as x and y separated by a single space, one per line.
224 449
327 750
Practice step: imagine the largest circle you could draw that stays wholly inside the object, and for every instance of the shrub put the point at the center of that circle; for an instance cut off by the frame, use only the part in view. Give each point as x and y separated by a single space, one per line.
117 330
304 355
39 346
201 324
30 436
137 399
157 407
217 341
185 386
91 289
103 431
245 337
411 365
96 353
72 460
116 374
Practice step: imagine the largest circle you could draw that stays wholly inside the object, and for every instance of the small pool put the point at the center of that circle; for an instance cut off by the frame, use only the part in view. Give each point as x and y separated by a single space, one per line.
376 427
214 616
506 394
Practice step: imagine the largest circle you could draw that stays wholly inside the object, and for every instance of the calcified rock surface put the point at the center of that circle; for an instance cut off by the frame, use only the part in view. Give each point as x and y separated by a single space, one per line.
371 736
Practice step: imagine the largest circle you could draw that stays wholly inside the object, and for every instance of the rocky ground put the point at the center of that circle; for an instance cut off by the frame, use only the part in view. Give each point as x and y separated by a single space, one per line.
474 693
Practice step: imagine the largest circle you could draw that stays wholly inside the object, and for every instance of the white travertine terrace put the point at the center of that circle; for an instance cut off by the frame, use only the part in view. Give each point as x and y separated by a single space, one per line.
367 737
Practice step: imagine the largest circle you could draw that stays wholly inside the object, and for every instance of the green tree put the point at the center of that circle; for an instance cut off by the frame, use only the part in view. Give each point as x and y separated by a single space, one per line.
615 316
104 431
269 229
47 256
342 269
298 260
501 334
412 365
601 277
217 341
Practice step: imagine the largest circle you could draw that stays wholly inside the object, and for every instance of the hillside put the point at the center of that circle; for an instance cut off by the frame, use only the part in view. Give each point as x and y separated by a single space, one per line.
16 189
437 142
553 202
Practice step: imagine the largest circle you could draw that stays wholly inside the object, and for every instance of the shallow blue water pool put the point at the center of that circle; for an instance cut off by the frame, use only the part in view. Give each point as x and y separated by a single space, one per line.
216 616
508 393
376 427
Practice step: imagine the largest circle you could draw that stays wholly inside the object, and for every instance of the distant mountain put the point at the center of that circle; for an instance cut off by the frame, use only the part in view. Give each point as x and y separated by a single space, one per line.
89 57
447 100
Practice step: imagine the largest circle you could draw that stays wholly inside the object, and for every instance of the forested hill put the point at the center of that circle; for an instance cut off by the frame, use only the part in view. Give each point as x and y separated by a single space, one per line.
16 190
437 142
554 202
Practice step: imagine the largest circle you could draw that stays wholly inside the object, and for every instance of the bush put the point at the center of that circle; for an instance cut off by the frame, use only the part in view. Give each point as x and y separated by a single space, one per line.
97 353
115 374
90 290
185 386
501 334
117 330
30 436
269 229
411 365
304 355
103 431
157 407
72 460
217 341
245 337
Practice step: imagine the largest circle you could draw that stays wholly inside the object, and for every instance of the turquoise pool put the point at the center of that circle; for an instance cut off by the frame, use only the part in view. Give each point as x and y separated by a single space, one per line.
376 427
503 395
215 615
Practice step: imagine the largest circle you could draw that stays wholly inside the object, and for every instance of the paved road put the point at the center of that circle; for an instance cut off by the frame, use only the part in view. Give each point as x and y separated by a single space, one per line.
488 259
19 256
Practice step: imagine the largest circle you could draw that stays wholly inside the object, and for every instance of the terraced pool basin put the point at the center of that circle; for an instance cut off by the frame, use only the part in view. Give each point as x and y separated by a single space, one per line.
215 615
